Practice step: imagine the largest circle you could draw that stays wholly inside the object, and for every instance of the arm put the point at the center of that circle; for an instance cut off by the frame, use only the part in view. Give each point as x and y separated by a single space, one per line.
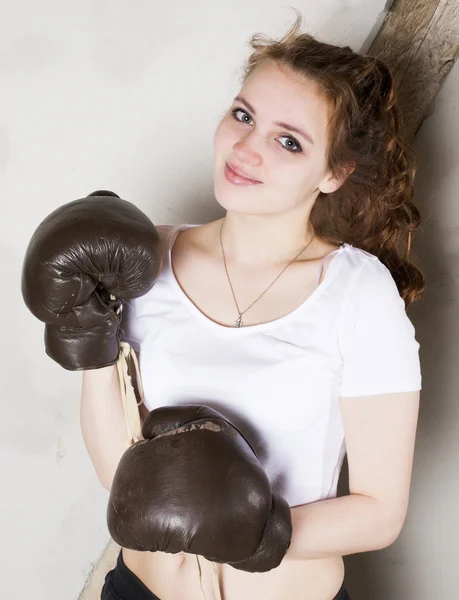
103 421
380 435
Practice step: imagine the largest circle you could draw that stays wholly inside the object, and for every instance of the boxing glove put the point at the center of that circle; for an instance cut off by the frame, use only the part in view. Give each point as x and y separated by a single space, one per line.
194 484
81 263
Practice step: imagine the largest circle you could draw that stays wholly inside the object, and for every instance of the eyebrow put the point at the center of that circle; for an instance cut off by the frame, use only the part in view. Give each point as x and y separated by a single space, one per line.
281 124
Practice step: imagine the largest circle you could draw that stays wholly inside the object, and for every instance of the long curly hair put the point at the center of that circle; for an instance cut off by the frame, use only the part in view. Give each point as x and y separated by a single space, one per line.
373 208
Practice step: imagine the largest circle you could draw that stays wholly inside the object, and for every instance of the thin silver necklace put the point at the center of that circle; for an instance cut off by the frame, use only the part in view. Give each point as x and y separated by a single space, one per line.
239 322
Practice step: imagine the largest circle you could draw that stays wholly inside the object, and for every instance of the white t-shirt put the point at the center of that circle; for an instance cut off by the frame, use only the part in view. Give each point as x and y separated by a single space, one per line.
280 382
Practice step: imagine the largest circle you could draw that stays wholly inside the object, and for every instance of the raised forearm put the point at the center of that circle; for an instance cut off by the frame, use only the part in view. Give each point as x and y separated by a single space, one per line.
103 423
339 526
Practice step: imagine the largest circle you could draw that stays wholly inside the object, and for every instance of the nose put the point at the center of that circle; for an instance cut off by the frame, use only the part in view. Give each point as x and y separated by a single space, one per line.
245 151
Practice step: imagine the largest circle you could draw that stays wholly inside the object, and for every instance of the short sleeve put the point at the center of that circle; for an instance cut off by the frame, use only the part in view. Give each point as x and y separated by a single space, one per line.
379 349
130 325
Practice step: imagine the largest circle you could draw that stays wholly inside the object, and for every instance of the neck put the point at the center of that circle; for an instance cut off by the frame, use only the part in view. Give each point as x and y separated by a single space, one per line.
268 241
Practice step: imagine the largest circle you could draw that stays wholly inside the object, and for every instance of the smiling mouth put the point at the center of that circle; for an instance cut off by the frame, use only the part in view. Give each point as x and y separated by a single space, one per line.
238 179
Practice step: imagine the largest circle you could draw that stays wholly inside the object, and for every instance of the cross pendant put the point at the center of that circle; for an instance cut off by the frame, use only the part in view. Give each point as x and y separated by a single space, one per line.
239 321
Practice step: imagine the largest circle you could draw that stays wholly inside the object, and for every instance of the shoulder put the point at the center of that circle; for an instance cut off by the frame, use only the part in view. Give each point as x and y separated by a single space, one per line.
202 237
195 242
372 298
368 274
190 232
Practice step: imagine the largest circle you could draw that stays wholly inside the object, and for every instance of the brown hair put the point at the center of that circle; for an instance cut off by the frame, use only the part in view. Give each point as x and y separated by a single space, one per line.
372 209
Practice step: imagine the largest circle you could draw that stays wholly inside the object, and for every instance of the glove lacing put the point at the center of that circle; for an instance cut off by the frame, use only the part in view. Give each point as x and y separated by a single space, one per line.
134 427
215 582
130 405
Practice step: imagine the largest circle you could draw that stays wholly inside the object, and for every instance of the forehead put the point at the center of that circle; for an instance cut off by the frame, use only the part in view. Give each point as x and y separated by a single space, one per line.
278 94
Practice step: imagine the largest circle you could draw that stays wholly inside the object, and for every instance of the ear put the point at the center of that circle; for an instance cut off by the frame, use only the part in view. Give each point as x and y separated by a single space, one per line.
331 183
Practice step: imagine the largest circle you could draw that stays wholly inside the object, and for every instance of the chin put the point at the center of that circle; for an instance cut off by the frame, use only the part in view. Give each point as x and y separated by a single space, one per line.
236 200
238 206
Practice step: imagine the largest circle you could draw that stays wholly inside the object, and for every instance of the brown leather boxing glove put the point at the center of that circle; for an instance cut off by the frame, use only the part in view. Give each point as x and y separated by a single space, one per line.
194 484
82 262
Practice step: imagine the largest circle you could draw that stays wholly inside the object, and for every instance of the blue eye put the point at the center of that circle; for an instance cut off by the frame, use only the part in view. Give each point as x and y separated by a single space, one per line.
236 110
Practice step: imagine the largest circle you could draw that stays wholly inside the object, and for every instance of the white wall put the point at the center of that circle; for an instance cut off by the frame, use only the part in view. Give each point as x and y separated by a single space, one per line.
126 96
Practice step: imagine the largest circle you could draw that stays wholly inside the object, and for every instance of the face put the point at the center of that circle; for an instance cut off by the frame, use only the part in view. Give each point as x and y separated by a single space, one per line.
290 166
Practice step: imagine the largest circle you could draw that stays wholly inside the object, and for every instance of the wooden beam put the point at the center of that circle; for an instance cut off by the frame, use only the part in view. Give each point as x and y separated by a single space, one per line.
419 40
96 580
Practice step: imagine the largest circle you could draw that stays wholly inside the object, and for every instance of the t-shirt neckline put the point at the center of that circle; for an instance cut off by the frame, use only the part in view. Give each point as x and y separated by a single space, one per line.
313 297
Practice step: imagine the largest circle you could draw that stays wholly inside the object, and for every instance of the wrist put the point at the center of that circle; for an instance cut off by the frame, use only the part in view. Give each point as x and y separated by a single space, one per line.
101 375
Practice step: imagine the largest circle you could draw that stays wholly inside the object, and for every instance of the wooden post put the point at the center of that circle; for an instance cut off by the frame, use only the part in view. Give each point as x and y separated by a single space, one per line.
419 40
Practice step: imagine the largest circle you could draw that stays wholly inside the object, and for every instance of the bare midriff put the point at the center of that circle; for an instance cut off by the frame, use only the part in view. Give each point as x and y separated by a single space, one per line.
176 576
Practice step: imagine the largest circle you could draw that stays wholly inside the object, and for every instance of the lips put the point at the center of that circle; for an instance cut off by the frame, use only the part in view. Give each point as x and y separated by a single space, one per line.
241 173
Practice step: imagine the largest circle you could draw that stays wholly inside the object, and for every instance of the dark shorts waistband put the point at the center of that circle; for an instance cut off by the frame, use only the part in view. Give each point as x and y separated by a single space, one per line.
122 584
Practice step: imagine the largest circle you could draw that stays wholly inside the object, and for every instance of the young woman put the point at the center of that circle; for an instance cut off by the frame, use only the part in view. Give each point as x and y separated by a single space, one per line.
288 316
